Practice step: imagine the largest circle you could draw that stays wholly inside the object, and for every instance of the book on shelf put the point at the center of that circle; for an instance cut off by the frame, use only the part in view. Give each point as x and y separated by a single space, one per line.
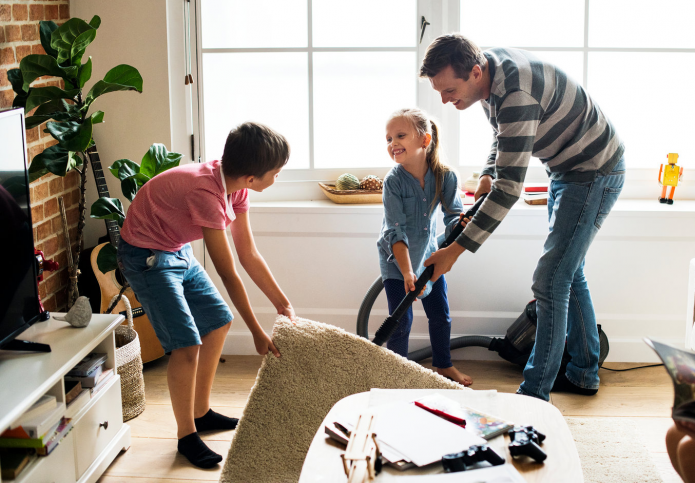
105 377
13 461
56 437
28 442
78 403
680 365
45 404
72 390
88 364
90 379
35 428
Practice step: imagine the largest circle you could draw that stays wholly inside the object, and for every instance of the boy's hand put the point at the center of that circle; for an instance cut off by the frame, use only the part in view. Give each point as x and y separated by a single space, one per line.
464 221
264 344
287 311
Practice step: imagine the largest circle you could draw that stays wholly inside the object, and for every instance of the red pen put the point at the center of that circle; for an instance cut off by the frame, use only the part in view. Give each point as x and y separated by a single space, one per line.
452 419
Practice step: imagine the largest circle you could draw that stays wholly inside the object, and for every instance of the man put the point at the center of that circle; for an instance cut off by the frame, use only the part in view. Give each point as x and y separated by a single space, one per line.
535 109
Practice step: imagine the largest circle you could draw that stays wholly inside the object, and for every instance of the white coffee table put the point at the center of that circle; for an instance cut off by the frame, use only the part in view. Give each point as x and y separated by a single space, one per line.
323 462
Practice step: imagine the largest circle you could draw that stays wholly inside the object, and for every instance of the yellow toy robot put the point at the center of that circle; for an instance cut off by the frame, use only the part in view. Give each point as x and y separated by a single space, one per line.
672 175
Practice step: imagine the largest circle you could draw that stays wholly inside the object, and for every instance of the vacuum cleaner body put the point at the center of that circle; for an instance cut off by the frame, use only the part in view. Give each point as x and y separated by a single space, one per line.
518 343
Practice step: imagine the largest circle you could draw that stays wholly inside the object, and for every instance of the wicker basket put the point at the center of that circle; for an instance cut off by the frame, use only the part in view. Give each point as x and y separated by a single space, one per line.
350 196
129 366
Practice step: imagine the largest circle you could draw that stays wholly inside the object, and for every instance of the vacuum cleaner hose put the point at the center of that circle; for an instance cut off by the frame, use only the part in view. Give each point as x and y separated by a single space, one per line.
418 355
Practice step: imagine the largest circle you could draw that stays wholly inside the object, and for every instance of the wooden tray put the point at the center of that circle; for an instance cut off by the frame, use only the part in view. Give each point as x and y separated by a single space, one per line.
350 196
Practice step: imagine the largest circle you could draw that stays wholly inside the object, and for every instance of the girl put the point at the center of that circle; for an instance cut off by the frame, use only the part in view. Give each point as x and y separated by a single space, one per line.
412 191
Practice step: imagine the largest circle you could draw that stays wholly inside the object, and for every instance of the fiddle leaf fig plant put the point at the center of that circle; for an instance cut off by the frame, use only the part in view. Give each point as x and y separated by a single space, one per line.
133 176
66 112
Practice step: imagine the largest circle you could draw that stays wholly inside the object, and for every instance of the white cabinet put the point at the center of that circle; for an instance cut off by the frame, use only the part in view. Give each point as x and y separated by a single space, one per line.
98 433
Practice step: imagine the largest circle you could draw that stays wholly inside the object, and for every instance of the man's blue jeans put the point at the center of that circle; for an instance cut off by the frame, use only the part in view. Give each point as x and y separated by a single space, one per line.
564 308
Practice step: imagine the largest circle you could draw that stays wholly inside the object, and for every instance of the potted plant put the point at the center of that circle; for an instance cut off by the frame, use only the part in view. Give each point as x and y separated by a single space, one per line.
67 112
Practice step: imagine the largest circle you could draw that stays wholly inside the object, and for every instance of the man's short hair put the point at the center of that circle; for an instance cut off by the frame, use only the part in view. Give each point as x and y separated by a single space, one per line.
253 149
454 50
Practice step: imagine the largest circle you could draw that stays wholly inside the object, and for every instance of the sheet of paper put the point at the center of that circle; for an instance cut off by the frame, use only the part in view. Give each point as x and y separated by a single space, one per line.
419 435
348 420
495 474
377 397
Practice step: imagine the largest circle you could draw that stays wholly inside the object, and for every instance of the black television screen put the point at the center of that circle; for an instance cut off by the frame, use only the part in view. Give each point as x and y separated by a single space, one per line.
19 298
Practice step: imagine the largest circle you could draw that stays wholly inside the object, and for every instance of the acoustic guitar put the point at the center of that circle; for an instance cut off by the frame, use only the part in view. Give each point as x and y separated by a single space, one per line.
110 283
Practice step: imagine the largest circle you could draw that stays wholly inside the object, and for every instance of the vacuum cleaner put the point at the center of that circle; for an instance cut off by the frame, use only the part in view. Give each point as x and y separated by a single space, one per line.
515 347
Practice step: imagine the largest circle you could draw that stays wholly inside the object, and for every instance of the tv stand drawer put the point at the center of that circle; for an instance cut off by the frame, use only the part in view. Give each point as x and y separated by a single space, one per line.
97 427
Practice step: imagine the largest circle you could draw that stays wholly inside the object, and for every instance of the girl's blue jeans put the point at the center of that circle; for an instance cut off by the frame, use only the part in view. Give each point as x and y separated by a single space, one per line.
436 308
564 308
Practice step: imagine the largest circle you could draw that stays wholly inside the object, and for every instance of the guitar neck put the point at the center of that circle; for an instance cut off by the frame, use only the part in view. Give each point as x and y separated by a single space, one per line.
112 227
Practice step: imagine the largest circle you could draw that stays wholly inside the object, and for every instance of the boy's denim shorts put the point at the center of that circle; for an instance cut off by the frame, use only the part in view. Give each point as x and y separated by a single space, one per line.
177 294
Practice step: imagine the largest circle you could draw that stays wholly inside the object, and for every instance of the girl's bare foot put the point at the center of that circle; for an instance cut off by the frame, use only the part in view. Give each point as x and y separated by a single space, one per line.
455 375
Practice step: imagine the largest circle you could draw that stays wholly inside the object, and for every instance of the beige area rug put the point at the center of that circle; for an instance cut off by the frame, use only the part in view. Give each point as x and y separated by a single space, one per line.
320 365
610 451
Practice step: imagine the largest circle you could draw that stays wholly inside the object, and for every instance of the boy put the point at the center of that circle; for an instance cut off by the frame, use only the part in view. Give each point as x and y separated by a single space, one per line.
190 318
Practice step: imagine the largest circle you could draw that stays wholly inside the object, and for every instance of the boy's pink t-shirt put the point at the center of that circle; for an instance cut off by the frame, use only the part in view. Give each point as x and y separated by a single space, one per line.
173 207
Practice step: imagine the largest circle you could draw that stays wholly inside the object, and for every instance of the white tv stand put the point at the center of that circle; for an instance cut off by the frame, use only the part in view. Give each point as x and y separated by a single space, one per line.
98 433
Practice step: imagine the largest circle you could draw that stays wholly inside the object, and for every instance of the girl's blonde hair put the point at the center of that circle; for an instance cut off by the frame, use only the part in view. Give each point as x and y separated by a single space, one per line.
424 125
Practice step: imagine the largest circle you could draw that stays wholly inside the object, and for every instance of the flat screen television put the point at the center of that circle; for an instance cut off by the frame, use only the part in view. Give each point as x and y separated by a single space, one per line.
19 297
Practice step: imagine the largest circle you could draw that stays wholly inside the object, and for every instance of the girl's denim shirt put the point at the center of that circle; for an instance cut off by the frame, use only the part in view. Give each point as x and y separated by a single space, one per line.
407 218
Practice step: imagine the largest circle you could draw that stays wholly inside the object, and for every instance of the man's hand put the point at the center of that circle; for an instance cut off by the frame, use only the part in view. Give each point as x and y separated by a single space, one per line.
264 344
444 259
484 186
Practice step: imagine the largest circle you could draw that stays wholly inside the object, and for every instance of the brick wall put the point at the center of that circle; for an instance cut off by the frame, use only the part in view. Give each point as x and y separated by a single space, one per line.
19 37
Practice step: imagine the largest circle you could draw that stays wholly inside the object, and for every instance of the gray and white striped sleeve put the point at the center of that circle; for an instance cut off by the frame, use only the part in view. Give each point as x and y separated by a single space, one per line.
517 120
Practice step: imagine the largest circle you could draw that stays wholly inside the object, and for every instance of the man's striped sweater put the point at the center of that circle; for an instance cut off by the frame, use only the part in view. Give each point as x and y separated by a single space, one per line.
536 110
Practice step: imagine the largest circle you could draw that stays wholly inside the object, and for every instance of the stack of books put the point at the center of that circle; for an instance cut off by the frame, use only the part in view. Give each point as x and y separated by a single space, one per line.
535 193
41 427
90 373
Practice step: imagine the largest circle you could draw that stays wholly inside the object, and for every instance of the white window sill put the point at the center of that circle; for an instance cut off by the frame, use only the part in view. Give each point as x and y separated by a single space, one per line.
627 207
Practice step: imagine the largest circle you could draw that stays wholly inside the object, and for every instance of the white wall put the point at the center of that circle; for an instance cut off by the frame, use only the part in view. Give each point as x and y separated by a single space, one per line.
324 256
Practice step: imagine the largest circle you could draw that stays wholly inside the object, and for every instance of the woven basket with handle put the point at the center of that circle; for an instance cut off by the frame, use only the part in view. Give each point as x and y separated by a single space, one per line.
129 366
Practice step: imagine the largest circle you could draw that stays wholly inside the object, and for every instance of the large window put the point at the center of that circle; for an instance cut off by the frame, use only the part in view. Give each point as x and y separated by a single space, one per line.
633 57
325 73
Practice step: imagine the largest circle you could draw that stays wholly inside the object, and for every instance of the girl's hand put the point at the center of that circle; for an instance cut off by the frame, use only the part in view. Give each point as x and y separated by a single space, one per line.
409 279
264 344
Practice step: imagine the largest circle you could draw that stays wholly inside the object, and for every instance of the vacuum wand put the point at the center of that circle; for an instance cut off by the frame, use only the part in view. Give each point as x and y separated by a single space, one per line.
390 325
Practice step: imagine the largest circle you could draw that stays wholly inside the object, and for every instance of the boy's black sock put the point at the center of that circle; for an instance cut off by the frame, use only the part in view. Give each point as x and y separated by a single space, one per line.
562 384
197 452
213 421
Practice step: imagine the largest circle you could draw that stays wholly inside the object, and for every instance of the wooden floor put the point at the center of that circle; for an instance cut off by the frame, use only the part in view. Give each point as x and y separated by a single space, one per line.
646 395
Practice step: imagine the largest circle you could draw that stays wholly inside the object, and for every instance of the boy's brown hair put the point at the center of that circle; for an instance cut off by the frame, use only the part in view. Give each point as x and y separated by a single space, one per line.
253 149
454 50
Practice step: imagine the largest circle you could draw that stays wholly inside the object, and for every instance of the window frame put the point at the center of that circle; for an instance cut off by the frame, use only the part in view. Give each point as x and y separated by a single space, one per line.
443 16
